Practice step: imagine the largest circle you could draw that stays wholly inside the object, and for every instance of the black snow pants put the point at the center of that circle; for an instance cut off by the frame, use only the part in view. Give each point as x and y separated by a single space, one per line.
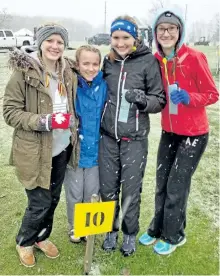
177 160
38 218
122 165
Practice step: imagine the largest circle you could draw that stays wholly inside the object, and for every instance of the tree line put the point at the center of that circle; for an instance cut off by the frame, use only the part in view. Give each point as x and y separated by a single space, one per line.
79 29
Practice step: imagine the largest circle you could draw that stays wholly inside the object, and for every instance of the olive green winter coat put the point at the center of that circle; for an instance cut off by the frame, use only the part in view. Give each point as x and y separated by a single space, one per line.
26 99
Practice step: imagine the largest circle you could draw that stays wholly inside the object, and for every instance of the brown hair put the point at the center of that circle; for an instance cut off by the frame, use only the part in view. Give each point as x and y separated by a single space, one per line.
112 54
88 48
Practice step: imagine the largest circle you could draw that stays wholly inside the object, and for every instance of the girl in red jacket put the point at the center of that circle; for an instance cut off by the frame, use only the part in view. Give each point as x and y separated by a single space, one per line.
189 89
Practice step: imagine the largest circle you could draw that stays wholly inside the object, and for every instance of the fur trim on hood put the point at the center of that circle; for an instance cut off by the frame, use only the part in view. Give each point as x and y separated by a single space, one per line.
22 60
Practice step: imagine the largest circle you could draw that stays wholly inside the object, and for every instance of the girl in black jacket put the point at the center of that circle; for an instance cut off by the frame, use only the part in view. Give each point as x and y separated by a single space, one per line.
135 89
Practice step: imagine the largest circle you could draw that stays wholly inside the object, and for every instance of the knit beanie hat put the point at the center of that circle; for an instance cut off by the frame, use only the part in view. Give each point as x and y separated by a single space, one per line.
49 29
168 17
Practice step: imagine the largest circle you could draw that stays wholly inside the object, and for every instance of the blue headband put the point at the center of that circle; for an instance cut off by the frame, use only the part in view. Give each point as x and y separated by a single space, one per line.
124 25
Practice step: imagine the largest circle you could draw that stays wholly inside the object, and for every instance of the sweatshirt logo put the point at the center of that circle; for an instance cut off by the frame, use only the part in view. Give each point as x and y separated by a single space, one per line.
168 14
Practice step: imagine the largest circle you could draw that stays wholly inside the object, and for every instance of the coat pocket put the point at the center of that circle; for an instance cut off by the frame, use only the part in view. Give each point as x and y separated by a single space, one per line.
26 158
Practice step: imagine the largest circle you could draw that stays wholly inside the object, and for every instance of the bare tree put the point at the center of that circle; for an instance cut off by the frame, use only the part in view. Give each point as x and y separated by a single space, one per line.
192 37
5 18
156 5
199 29
216 34
77 29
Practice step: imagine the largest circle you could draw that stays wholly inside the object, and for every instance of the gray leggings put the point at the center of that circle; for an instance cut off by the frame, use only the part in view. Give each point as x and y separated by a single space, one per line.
79 185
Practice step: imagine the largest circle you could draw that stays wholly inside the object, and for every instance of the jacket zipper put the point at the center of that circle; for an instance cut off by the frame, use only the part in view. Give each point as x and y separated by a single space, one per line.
137 119
168 83
171 127
118 97
104 112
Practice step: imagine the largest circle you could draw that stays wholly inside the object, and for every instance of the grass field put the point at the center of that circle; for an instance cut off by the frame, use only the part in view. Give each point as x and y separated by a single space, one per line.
199 256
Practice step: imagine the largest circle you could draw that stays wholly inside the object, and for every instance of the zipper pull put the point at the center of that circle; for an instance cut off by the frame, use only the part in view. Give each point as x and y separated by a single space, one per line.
137 119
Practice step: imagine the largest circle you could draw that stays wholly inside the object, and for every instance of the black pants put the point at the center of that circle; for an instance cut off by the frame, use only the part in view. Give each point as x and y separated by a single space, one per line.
177 160
122 165
38 218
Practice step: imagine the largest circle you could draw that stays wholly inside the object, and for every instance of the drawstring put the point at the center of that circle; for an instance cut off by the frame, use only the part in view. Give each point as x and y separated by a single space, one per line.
61 86
47 80
166 71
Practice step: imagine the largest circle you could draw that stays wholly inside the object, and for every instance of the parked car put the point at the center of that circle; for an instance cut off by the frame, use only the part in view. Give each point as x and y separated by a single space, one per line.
99 39
202 41
8 40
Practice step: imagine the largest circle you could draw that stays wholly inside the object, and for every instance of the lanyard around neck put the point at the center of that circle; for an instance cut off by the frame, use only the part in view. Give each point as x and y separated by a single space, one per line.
164 60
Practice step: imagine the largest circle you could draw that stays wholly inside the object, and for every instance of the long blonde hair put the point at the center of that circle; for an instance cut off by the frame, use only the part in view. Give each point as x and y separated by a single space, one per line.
112 54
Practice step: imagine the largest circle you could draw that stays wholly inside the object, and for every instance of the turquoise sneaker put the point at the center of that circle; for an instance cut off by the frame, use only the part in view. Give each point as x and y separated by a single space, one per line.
146 239
165 248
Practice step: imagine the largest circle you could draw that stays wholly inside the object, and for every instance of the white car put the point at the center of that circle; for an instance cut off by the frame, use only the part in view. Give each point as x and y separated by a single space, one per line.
8 40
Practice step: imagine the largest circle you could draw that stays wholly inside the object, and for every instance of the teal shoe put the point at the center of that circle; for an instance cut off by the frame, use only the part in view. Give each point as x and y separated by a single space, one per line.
165 248
146 239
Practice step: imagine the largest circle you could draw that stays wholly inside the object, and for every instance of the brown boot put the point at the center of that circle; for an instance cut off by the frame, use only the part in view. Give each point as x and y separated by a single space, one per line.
49 249
26 255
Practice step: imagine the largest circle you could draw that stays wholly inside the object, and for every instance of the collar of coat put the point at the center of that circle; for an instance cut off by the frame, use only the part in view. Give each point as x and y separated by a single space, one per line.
96 81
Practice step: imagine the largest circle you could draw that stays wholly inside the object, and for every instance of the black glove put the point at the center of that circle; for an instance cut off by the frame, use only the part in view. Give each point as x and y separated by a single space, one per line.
137 97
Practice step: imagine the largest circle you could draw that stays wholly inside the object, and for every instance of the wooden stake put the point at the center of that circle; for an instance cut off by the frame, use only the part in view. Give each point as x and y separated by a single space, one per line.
89 245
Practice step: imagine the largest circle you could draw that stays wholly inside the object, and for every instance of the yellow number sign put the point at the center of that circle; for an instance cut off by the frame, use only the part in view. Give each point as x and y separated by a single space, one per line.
93 218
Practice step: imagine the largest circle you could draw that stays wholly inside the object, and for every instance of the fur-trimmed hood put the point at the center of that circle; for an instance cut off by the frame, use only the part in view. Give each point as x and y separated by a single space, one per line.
22 61
26 59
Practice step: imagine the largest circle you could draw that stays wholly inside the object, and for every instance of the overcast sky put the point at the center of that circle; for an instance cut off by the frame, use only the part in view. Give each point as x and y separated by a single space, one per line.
93 10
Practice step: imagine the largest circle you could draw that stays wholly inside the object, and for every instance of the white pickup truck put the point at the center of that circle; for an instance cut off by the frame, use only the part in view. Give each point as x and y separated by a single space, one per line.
8 40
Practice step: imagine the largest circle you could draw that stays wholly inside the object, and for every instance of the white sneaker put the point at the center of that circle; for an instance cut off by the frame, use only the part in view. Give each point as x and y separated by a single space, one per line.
73 238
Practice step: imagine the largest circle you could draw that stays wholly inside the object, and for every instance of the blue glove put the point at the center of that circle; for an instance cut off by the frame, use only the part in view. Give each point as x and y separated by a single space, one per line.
180 96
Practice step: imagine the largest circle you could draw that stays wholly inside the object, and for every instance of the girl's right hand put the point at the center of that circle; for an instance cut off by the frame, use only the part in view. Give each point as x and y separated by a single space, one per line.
56 121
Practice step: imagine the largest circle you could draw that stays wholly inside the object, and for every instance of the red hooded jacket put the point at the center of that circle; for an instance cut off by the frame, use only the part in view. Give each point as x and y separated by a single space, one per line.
192 73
